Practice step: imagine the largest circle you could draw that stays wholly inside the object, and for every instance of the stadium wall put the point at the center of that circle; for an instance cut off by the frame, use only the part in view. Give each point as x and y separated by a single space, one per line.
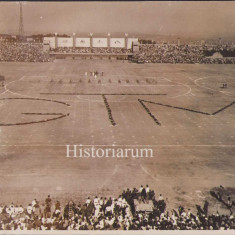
50 40
130 41
65 42
100 42
117 42
55 42
82 42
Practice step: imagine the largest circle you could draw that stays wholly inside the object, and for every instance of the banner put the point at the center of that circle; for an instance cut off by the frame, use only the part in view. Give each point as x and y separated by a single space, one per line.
82 42
117 42
65 42
100 42
130 41
50 40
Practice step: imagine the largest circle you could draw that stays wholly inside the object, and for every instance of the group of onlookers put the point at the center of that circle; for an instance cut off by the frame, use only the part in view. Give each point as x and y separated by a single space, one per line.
148 53
23 52
103 213
95 50
174 53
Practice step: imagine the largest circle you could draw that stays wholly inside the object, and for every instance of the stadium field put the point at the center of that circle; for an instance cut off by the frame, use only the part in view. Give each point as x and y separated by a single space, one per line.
178 110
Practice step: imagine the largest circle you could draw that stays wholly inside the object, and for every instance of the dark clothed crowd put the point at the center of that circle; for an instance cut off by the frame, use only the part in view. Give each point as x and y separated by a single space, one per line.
103 213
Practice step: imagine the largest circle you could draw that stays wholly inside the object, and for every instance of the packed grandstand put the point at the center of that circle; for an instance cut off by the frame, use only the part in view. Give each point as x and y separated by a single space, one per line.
94 50
189 54
23 52
101 213
147 53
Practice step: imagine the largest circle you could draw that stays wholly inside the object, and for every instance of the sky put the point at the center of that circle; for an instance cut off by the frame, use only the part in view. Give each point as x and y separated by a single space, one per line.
190 19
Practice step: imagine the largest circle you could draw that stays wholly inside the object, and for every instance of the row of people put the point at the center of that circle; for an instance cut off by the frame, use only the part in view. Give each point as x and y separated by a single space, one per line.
94 74
95 50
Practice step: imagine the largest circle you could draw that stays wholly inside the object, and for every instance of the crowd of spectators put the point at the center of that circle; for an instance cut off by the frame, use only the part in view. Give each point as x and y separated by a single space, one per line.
101 213
95 50
148 53
224 50
174 53
23 52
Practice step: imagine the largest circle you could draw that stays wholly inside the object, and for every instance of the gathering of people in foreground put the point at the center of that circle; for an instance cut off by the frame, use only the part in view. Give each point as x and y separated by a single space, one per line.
121 213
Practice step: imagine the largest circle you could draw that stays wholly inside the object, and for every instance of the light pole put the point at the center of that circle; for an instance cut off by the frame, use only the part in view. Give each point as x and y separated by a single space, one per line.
91 40
74 40
126 40
109 40
56 40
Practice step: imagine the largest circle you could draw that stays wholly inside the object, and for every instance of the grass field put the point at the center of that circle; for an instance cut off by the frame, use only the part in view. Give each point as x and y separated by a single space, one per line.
54 104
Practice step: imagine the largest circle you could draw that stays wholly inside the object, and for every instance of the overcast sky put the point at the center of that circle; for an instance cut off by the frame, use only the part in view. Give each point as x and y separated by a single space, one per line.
201 19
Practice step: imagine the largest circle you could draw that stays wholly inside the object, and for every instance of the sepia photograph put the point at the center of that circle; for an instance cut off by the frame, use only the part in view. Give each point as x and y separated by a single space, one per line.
117 116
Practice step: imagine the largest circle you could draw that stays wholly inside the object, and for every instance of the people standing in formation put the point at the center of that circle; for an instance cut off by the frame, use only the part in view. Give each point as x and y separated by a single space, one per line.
224 85
94 74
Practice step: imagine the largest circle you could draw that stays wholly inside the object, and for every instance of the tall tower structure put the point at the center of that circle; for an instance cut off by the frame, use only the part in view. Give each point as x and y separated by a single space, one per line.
21 23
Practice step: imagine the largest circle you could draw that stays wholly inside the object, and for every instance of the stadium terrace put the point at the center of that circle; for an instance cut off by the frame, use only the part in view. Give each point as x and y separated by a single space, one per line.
133 49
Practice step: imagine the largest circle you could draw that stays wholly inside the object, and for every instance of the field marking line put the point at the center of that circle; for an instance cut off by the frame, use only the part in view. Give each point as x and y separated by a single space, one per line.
187 196
116 145
229 174
5 85
208 88
4 91
181 84
22 175
70 75
109 94
101 100
31 97
38 76
123 97
154 178
88 100
136 76
191 91
35 76
189 85
116 168
149 85
146 172
14 93
228 93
